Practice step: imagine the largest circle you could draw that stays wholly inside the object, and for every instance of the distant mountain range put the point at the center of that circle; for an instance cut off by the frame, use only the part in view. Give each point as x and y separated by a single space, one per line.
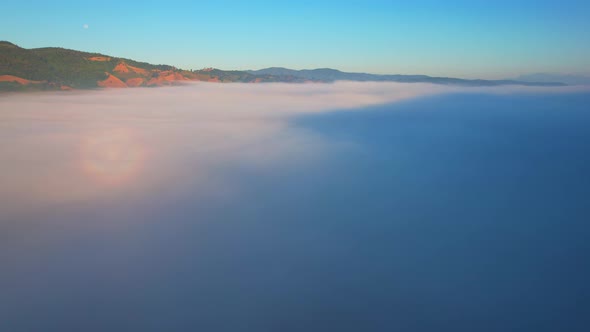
546 77
55 68
330 75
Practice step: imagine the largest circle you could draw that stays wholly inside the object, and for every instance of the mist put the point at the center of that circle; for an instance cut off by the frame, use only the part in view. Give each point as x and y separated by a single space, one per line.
63 147
294 207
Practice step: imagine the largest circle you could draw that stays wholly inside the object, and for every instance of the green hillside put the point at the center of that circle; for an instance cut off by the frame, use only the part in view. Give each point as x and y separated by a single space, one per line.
59 66
55 68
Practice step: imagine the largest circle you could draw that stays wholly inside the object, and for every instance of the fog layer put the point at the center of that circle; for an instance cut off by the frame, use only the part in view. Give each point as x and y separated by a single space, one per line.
341 207
64 147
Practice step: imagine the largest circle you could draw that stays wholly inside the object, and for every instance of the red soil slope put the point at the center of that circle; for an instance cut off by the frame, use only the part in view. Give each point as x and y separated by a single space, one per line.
122 67
100 58
112 82
10 78
133 82
167 78
137 70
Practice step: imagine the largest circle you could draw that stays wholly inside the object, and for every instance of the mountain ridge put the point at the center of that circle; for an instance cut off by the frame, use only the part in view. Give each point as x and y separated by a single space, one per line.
56 68
330 74
569 79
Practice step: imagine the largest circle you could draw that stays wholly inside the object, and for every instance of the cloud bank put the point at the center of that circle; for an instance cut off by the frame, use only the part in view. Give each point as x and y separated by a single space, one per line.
67 148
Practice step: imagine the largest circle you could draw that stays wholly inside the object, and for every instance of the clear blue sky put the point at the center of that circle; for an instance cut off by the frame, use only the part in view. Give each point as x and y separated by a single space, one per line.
487 39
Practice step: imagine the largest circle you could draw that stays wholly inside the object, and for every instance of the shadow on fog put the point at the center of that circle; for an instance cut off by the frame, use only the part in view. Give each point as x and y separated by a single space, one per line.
449 213
463 212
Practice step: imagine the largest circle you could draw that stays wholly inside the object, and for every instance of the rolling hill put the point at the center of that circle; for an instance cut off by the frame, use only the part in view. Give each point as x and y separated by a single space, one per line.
58 68
331 75
54 68
569 79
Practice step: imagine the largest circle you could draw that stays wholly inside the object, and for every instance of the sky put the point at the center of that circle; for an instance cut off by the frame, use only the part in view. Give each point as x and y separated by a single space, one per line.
483 39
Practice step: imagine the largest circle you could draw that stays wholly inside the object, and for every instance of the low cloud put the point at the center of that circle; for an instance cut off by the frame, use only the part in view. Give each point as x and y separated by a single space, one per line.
74 146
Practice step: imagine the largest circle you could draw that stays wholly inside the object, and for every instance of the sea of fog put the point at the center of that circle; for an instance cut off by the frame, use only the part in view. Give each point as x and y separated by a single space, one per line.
286 207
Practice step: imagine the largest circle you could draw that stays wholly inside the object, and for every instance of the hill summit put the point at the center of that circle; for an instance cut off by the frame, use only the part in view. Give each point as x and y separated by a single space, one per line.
54 68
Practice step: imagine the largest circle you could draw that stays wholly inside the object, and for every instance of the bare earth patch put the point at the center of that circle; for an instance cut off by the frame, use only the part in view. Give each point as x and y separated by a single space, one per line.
121 68
11 78
134 82
112 82
100 58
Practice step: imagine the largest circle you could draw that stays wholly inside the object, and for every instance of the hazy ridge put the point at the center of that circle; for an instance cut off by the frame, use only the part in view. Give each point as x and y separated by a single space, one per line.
54 68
